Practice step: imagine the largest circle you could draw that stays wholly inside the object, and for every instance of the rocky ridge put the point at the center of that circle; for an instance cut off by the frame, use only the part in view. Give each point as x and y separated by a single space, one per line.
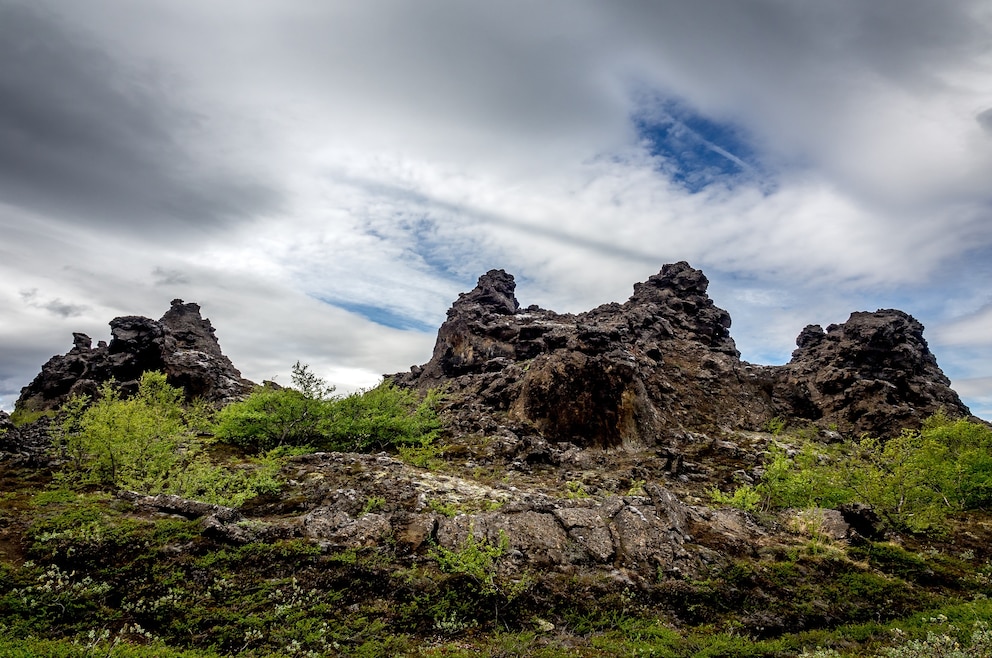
181 344
663 363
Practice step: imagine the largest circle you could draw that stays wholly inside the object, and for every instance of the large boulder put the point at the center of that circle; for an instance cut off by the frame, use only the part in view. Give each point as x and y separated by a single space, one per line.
181 344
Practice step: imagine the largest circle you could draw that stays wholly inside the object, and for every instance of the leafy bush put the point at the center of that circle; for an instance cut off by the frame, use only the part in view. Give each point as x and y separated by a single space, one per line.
475 558
746 497
149 443
271 417
915 480
126 442
807 479
375 419
382 417
918 478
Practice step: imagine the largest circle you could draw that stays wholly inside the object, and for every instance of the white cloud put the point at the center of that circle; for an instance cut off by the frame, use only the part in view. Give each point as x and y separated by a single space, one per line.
974 329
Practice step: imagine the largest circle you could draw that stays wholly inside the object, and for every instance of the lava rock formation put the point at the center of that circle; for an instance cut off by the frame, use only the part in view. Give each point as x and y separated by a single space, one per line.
664 362
181 344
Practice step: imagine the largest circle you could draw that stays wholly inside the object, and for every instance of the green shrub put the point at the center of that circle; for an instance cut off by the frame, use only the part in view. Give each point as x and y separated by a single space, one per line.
746 497
131 442
384 417
776 425
150 443
915 480
918 478
808 479
272 417
475 558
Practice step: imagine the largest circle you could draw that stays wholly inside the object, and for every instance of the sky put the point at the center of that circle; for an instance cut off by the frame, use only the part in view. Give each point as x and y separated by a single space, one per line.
324 178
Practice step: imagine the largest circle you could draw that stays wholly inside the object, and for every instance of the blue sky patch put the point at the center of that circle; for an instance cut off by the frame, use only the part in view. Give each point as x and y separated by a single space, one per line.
697 151
423 241
384 316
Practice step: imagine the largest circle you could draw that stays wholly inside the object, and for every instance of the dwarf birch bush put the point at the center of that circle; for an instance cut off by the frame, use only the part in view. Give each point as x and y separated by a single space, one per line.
150 443
915 479
379 418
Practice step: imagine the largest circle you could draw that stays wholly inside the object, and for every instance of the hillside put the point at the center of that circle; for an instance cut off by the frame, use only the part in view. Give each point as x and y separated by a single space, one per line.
614 482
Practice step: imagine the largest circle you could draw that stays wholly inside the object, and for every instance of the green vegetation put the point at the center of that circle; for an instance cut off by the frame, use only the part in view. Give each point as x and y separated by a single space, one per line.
25 416
92 575
915 480
574 489
101 582
745 497
384 417
150 443
476 561
475 558
373 504
272 417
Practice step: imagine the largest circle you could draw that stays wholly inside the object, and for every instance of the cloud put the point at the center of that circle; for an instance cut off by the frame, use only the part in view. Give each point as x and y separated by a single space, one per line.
85 134
973 329
977 394
985 120
169 277
55 306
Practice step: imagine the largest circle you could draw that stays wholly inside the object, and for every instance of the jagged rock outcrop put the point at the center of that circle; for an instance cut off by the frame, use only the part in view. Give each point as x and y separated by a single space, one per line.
617 375
181 344
873 373
664 363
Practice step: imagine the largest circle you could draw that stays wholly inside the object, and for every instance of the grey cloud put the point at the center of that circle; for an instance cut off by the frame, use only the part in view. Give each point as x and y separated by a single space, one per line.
985 120
83 135
64 309
169 277
55 306
19 363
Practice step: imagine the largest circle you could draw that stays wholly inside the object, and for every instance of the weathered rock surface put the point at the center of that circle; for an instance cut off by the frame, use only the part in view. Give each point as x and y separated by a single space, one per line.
27 445
873 373
181 344
640 534
664 363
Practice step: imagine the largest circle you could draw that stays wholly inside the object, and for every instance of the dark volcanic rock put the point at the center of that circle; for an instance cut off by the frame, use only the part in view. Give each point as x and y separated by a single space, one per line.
617 375
182 345
664 363
27 445
873 373
5 423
